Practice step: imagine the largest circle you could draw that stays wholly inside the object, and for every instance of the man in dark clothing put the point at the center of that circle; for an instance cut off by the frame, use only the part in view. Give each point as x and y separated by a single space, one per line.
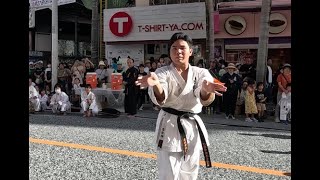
233 83
131 90
214 71
248 69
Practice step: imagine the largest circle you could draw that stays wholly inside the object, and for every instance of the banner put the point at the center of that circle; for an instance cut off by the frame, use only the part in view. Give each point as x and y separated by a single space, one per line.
42 4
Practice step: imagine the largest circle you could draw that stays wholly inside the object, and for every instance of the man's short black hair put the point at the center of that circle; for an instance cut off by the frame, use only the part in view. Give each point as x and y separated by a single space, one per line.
58 86
182 36
88 86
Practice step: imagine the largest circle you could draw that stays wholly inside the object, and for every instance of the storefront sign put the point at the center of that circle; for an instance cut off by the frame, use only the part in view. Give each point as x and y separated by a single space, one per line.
154 22
35 53
42 4
171 27
120 24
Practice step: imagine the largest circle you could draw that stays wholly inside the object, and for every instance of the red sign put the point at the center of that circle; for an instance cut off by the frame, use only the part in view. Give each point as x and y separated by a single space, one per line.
216 22
120 24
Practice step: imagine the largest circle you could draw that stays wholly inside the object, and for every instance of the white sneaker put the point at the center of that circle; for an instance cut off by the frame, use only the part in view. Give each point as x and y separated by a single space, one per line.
232 117
141 108
254 119
248 120
227 117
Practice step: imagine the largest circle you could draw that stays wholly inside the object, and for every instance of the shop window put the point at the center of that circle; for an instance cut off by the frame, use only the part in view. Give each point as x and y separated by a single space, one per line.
196 50
150 48
66 48
237 56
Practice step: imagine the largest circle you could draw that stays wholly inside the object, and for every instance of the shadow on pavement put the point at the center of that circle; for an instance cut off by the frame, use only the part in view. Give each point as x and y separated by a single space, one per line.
278 136
275 152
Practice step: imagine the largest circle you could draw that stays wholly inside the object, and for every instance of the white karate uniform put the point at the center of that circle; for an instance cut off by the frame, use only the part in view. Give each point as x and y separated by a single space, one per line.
43 101
182 96
285 106
85 105
60 102
34 100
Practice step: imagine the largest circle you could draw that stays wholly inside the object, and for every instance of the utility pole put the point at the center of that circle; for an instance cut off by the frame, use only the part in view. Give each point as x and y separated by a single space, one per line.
94 32
210 7
54 50
263 40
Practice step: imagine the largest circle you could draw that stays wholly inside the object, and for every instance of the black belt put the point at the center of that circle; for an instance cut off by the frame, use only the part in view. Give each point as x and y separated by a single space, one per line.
183 134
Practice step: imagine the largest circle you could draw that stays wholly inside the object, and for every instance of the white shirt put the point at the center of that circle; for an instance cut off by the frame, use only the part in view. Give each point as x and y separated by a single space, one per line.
146 69
43 98
63 97
269 75
33 92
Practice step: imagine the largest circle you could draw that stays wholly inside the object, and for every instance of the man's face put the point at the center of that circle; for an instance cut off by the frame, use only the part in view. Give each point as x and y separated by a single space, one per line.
88 89
180 52
130 63
286 70
119 66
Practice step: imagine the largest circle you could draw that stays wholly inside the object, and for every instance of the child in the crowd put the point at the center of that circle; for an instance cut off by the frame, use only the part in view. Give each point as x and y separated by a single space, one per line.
142 93
261 98
241 98
250 102
59 102
88 102
285 105
43 100
76 83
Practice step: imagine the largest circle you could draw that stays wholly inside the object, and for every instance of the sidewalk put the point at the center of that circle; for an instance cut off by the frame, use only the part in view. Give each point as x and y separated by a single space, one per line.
219 119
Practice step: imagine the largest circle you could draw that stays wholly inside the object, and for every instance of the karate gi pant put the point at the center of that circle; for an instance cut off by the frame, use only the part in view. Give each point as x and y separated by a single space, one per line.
172 165
63 108
35 104
93 107
43 105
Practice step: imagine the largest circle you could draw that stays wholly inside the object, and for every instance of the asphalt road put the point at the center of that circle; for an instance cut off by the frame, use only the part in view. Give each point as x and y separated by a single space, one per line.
73 147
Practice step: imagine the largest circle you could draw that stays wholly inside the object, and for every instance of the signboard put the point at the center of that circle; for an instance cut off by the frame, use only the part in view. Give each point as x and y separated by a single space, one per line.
31 18
155 22
120 24
135 51
42 4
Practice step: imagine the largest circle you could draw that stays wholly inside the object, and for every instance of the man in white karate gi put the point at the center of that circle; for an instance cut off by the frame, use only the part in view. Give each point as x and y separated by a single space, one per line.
88 102
60 101
181 90
34 101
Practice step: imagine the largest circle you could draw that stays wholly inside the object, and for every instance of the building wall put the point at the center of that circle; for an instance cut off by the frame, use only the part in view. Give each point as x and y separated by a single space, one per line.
252 25
158 22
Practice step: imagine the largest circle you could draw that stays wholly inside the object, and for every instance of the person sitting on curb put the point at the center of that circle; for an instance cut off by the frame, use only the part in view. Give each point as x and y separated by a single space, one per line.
88 102
60 103
34 102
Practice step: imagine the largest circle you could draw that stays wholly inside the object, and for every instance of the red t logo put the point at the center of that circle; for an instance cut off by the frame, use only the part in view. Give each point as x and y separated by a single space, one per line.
120 24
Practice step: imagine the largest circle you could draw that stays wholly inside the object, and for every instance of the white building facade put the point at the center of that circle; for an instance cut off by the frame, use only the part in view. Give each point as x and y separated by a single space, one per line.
144 31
